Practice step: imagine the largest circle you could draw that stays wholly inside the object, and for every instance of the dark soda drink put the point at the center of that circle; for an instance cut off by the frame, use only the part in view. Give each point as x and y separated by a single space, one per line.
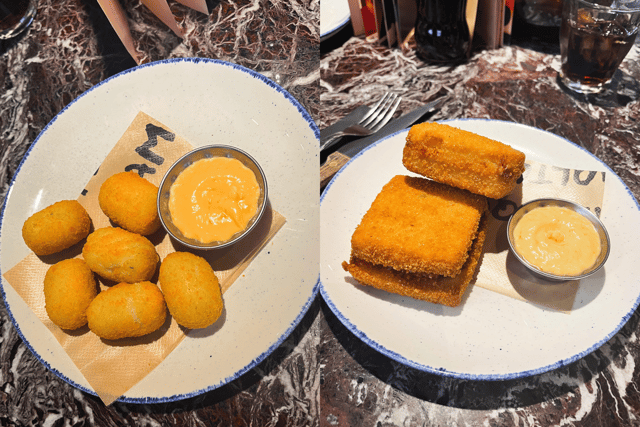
441 31
15 16
594 50
11 12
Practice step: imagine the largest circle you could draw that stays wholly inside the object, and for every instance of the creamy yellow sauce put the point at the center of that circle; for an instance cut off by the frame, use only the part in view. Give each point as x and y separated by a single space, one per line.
213 199
557 240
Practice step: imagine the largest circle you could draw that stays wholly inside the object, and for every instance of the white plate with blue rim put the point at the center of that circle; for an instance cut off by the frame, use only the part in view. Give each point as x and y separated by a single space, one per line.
203 101
489 336
334 15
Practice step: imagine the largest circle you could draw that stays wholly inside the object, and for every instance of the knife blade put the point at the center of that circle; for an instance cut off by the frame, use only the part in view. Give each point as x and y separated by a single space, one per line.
336 160
350 119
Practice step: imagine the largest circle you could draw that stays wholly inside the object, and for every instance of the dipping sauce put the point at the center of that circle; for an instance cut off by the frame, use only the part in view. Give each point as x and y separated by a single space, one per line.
557 240
213 199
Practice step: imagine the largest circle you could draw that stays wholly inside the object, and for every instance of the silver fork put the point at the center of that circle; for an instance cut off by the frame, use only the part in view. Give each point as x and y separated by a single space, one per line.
374 120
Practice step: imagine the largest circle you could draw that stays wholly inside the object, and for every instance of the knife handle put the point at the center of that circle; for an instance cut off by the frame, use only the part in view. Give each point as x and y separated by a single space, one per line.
334 163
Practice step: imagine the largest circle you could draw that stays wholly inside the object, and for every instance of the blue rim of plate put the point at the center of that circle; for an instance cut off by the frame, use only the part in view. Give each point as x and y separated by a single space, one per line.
255 361
443 371
340 25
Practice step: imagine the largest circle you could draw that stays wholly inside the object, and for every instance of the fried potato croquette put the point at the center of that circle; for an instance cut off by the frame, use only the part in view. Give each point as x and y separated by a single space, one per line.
419 226
191 290
127 310
56 227
120 255
130 202
432 288
462 159
69 288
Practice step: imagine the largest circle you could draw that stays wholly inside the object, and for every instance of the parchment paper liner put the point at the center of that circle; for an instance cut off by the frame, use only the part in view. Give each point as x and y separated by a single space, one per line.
113 367
499 270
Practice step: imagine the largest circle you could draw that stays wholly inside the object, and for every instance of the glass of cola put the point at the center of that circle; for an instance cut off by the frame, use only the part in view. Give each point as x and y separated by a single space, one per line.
594 39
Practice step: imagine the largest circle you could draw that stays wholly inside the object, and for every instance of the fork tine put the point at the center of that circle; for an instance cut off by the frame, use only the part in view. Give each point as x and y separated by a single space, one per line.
389 114
378 116
373 119
372 114
382 112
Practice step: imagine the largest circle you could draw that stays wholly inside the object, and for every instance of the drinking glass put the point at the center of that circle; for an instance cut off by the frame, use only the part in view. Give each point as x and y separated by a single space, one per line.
594 39
15 16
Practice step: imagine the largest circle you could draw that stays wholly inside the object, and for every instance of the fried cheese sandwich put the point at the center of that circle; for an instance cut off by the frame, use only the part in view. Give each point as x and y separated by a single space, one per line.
462 159
419 238
436 289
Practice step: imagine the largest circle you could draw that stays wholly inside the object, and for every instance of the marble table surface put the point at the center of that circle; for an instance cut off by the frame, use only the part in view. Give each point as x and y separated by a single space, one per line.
322 375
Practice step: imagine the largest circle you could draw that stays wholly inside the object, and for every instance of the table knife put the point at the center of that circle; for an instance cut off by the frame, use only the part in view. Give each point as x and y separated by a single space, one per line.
350 119
343 154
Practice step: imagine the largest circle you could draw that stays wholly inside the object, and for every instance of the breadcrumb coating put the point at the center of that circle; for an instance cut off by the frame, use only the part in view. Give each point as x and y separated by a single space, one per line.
130 202
120 255
191 290
462 159
432 288
127 310
419 226
56 227
69 288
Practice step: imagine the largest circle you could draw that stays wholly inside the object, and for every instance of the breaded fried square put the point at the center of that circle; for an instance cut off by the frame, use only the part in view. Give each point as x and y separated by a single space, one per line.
419 226
462 159
436 289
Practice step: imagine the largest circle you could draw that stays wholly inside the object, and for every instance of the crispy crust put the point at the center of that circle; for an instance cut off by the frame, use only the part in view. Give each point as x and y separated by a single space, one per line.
69 288
130 202
127 310
462 159
120 255
436 289
419 226
191 290
56 227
